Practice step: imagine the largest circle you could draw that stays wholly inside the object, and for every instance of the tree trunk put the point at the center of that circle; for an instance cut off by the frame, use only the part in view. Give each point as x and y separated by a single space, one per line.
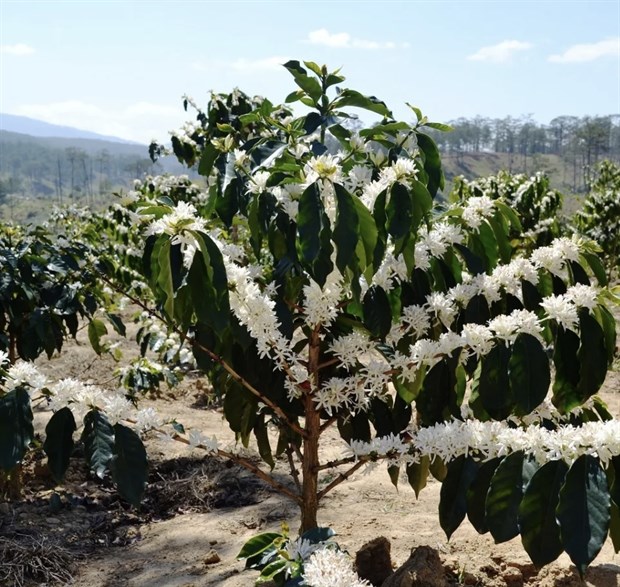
310 472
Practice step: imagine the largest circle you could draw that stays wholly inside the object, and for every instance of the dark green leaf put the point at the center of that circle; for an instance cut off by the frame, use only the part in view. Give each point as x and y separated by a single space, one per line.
353 98
453 496
310 222
262 441
477 495
117 323
539 529
583 511
432 163
529 374
58 445
346 230
565 396
129 465
377 311
505 494
399 212
98 439
494 383
592 356
308 84
16 430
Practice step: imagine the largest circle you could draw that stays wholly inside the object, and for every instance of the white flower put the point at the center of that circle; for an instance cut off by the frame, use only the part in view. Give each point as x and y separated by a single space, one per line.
321 303
476 209
258 182
350 347
329 567
478 338
117 408
323 167
583 296
301 548
442 306
416 319
148 418
241 158
561 309
370 193
23 373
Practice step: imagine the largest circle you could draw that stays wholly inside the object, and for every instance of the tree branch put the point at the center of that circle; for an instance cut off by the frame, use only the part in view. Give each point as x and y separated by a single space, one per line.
342 477
336 463
214 357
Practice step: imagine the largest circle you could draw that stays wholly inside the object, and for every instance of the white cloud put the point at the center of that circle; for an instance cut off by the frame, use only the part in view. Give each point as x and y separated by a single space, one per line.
588 52
501 52
19 50
346 41
141 121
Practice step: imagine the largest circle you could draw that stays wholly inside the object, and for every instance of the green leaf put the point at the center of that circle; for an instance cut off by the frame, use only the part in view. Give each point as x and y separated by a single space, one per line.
539 529
353 98
377 311
399 212
240 410
258 544
477 495
309 85
163 277
528 372
453 495
505 494
209 154
310 222
98 439
592 355
494 383
607 321
583 511
597 267
96 329
614 467
58 445
117 323
346 230
438 126
432 163
565 396
16 430
271 571
129 465
417 474
262 441
422 202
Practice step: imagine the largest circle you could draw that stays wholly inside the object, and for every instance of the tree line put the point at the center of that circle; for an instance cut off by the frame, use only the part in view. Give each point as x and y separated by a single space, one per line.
580 142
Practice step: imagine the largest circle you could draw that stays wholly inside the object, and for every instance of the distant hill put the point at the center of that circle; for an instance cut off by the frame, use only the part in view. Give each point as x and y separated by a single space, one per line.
39 128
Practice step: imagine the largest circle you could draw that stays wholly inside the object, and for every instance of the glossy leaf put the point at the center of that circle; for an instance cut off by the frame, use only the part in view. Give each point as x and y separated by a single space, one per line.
346 230
257 544
583 511
432 163
352 98
453 495
477 495
16 430
505 494
377 311
494 383
128 465
529 373
310 222
417 474
58 445
540 532
98 439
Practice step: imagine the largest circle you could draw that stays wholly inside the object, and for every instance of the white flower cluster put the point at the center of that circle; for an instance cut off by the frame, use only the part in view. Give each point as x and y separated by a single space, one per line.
182 219
476 209
401 170
563 308
488 440
199 440
321 303
23 373
328 567
435 242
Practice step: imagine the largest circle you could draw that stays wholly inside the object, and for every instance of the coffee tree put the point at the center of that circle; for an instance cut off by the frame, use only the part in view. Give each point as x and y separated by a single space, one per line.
537 205
599 219
323 289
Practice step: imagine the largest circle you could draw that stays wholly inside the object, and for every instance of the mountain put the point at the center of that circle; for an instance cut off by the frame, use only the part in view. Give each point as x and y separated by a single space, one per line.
37 128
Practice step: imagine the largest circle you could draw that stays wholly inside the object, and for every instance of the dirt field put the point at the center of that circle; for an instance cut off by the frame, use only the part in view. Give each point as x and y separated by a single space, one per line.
198 512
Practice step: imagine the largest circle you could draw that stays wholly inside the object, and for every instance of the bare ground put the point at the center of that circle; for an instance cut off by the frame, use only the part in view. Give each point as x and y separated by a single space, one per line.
198 512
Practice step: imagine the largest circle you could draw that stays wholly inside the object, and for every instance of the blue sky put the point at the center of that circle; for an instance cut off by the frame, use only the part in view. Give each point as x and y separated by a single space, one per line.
122 67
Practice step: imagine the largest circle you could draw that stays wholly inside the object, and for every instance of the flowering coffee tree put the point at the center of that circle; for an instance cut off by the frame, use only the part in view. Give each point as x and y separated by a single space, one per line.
537 205
599 218
322 289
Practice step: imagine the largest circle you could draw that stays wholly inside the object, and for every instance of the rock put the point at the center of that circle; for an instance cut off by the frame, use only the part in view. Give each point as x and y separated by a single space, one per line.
373 561
52 521
5 509
211 557
423 569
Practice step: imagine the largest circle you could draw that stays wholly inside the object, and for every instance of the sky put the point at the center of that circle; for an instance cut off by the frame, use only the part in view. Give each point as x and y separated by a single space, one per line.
122 67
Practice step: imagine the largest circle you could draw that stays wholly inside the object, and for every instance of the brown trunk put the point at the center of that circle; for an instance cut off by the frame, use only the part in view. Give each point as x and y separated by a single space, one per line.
310 481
